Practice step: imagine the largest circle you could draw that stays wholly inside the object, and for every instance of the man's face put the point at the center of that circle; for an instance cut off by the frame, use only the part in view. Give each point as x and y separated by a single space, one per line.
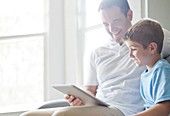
138 54
115 22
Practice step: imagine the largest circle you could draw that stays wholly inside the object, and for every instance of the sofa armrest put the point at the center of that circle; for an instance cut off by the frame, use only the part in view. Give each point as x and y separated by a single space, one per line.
54 103
168 59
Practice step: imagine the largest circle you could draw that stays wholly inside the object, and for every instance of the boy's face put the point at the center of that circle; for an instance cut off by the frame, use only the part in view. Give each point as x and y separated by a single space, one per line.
138 54
115 22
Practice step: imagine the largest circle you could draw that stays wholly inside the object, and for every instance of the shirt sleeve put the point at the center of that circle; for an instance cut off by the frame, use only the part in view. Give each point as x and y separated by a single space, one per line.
161 86
90 75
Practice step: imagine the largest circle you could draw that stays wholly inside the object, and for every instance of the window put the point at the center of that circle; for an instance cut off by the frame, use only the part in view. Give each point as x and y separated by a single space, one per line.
22 37
31 60
95 34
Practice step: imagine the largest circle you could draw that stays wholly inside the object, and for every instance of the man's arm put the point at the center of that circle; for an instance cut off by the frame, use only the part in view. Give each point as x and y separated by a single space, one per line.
160 109
73 101
91 89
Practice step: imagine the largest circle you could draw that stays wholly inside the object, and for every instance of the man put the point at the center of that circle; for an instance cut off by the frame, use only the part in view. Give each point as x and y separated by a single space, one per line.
111 75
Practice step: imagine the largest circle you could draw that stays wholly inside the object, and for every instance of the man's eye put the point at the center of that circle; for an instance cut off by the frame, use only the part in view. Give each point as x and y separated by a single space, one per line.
116 21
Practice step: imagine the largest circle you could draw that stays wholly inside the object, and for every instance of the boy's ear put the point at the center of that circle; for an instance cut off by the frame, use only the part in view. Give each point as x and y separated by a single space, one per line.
153 47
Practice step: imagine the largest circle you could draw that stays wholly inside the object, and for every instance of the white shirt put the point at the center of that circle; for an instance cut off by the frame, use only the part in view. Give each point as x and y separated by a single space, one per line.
116 76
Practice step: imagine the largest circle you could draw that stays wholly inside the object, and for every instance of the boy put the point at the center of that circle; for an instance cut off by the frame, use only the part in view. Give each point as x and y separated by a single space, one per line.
145 41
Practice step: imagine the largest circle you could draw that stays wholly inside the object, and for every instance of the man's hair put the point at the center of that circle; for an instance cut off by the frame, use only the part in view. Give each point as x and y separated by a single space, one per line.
146 31
122 4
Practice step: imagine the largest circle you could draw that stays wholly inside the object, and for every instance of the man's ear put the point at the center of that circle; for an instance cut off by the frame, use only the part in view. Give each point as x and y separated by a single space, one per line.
153 47
130 15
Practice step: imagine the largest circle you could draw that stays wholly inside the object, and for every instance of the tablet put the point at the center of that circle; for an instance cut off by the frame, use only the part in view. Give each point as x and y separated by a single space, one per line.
77 92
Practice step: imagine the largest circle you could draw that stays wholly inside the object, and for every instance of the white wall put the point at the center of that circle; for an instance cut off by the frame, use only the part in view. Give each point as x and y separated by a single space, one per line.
159 10
55 49
135 5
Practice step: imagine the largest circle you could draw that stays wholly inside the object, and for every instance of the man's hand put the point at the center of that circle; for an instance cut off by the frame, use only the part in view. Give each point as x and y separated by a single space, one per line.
73 101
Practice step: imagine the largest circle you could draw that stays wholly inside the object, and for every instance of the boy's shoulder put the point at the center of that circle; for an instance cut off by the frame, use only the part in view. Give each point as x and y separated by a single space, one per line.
162 64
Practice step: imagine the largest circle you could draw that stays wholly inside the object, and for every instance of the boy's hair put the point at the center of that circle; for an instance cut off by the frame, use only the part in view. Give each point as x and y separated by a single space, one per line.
122 4
146 31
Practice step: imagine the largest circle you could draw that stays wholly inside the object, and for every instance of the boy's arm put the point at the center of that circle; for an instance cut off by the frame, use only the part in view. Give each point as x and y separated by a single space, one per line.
160 109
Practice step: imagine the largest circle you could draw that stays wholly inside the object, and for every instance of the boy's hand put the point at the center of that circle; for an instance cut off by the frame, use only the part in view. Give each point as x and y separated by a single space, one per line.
73 101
